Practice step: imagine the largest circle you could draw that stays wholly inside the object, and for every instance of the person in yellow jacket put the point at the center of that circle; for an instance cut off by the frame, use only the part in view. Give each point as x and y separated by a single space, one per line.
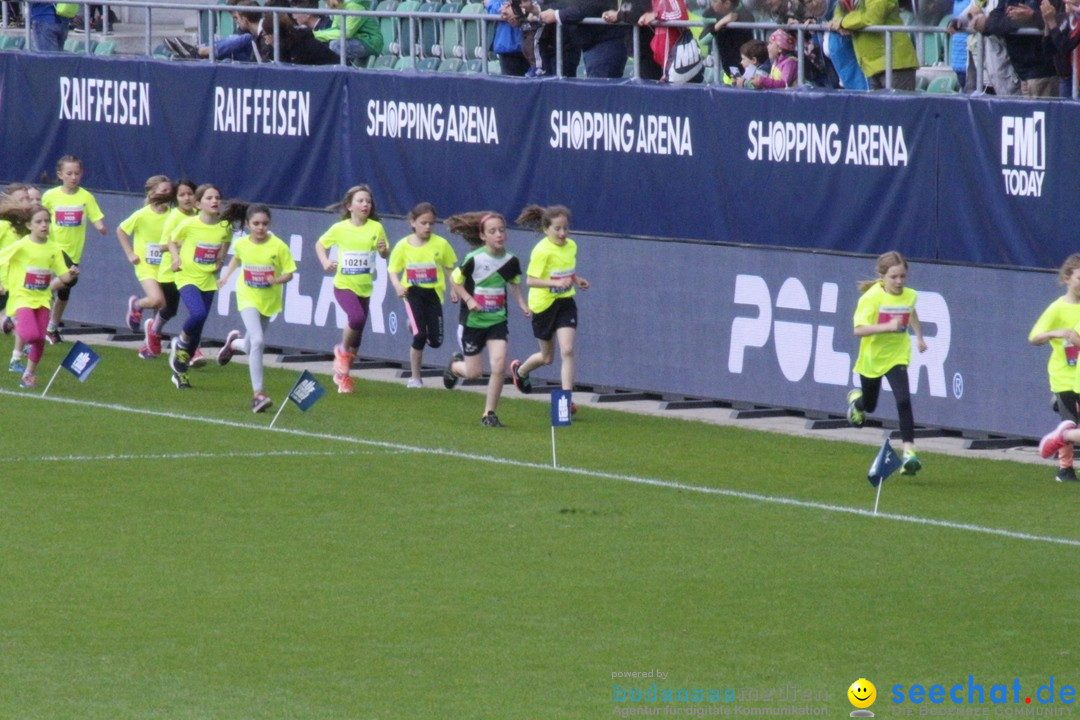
852 16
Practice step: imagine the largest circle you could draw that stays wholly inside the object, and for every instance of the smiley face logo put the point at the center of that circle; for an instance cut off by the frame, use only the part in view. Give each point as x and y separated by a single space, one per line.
862 693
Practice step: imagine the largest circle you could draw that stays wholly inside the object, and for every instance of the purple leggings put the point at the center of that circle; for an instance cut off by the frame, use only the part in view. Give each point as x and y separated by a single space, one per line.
198 304
356 309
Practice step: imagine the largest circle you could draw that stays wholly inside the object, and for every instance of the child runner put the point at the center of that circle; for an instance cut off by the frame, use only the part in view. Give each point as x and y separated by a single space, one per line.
882 317
166 278
71 206
199 246
358 237
14 205
267 265
35 267
553 281
1057 326
144 227
421 259
481 283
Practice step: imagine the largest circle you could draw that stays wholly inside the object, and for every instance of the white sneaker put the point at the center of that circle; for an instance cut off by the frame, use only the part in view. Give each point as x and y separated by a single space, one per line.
414 383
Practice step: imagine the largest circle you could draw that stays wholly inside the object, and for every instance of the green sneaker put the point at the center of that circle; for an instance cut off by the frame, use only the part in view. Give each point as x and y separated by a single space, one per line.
855 416
911 464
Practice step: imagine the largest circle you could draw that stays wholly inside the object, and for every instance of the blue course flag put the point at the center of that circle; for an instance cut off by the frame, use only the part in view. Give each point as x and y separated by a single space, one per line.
885 464
306 391
81 361
560 407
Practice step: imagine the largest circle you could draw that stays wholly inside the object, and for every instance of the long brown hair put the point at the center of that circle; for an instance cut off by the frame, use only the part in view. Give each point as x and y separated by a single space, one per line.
884 262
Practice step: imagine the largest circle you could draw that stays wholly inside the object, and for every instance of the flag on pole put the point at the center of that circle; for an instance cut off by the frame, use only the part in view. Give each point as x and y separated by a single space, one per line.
306 391
560 408
81 361
885 464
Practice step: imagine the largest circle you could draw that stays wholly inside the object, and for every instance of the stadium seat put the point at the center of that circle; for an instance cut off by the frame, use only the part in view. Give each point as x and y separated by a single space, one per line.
384 62
452 65
73 45
388 26
471 33
405 62
474 66
12 42
945 84
407 32
105 47
428 64
450 32
429 31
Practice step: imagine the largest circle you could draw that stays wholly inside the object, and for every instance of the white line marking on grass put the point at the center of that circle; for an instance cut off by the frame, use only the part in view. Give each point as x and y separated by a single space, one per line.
179 456
778 500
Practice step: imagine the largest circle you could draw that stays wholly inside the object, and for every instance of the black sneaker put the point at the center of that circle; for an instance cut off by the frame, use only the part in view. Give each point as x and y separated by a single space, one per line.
180 380
491 420
521 382
9 325
53 336
260 402
449 379
1066 475
178 358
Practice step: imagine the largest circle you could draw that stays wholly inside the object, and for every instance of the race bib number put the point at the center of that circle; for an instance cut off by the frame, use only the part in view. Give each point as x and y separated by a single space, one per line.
68 217
886 314
258 276
356 263
490 300
37 279
206 253
559 275
153 254
421 274
1071 351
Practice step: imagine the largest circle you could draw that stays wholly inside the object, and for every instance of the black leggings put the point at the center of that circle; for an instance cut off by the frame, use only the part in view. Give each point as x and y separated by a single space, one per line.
172 301
425 317
1067 405
898 381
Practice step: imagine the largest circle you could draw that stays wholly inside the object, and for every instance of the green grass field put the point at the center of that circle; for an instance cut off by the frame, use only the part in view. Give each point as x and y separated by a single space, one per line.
165 555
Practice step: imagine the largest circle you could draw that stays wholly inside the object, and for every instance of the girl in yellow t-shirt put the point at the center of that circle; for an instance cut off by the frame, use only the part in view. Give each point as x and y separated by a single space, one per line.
166 278
140 239
552 278
32 268
15 205
885 312
422 260
267 266
358 237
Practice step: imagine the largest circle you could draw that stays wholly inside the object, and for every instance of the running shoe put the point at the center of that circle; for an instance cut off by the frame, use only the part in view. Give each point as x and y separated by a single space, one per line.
521 382
449 379
1055 439
855 416
414 383
1066 475
134 314
28 381
53 336
342 360
17 366
145 354
178 357
226 352
491 420
911 463
260 402
344 383
180 380
9 325
153 340
197 359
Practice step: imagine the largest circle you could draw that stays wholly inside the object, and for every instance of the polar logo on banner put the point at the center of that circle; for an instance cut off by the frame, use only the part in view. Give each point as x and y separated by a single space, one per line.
1023 154
796 344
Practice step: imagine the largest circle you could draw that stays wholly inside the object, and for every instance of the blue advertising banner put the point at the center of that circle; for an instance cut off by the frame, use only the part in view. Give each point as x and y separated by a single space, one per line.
977 180
560 407
80 361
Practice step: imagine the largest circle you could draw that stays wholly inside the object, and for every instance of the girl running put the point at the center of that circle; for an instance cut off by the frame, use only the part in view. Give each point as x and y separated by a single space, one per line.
358 237
166 278
421 260
144 227
267 266
34 267
553 281
481 284
882 317
199 246
1057 326
71 207
14 205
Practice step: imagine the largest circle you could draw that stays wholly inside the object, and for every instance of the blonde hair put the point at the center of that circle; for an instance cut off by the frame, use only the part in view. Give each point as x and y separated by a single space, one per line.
884 262
470 226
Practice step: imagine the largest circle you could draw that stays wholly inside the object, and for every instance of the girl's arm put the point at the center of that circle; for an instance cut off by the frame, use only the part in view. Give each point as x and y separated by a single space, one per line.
448 271
100 225
562 283
1066 334
64 281
891 326
282 279
465 297
125 244
174 253
519 296
382 247
581 282
328 265
916 327
233 264
399 289
221 256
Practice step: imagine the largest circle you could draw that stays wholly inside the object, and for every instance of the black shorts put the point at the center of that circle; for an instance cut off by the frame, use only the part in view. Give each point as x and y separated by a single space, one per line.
562 313
474 340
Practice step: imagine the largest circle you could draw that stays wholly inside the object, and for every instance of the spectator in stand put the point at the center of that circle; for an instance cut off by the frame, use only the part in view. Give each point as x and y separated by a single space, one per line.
1062 22
1032 56
851 16
754 59
664 38
241 46
363 38
785 67
999 76
629 13
727 41
48 30
507 42
840 50
299 46
602 46
817 67
311 22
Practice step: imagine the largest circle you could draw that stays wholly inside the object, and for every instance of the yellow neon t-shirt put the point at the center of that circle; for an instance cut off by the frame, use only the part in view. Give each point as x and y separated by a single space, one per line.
144 227
201 245
881 352
422 266
70 214
30 268
172 221
258 263
1062 365
549 261
355 254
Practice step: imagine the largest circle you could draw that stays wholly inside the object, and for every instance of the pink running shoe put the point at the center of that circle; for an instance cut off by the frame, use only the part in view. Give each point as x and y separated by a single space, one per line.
1055 439
197 359
134 314
226 352
153 340
344 383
